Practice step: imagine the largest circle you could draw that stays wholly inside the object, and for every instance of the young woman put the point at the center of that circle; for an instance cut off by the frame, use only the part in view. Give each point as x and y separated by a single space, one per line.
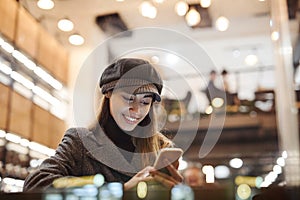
123 142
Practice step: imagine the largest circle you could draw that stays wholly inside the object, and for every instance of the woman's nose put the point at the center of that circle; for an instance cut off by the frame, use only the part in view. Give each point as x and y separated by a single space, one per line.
134 106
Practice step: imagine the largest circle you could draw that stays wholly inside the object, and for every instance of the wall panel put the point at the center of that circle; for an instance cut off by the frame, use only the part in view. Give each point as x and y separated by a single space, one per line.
8 16
40 125
4 98
61 63
46 50
20 115
27 32
57 130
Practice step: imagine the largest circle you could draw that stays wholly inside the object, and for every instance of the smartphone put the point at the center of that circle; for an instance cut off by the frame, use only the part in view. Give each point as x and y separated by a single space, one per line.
171 155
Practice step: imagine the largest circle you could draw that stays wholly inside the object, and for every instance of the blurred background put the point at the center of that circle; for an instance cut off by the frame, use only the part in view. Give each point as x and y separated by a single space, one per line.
252 45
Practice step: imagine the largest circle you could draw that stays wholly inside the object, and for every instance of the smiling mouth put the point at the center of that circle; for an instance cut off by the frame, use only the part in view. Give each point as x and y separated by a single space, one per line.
131 120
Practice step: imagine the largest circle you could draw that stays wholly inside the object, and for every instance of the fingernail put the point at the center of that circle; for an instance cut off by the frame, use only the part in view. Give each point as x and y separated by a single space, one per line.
146 174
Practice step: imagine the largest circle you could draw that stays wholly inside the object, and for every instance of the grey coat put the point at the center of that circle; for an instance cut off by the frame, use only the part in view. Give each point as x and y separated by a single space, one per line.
83 152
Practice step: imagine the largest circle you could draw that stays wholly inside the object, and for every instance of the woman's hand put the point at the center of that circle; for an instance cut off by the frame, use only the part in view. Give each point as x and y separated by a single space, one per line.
143 175
150 173
168 180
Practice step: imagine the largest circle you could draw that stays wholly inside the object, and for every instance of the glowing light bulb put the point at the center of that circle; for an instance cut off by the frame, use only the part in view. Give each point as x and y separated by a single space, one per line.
181 7
193 17
65 25
45 4
76 39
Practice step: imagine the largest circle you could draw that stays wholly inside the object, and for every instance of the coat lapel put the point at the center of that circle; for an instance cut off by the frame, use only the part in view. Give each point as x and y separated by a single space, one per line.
101 148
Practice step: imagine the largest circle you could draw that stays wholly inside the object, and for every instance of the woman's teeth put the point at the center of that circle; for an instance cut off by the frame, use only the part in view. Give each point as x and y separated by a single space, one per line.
131 119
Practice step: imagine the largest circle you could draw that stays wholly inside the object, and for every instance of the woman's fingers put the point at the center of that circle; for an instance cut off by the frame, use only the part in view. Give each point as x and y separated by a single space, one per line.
164 179
167 183
143 175
145 172
163 175
176 164
174 173
148 178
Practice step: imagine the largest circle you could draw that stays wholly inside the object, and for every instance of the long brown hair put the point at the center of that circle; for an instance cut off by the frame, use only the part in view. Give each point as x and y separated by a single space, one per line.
143 145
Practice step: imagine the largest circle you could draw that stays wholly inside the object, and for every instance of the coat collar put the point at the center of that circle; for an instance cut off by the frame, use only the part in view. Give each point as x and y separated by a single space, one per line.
101 148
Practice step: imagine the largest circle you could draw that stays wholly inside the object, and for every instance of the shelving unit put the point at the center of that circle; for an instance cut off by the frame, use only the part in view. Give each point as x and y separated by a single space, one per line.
33 93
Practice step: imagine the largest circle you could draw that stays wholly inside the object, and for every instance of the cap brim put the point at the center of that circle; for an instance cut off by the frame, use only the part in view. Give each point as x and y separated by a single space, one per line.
148 88
156 96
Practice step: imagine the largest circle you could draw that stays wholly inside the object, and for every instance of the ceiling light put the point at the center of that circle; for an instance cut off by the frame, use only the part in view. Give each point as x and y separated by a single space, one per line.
2 134
159 1
172 59
13 138
148 10
222 171
5 69
21 79
23 59
76 39
274 35
45 96
222 23
236 163
280 161
1 41
48 78
193 17
258 181
65 25
277 169
182 164
205 3
181 7
284 154
152 12
208 170
236 53
45 4
251 60
41 148
7 47
243 191
217 102
24 142
154 59
209 110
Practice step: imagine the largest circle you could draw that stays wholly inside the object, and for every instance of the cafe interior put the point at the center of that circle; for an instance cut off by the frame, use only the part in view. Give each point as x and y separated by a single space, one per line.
246 139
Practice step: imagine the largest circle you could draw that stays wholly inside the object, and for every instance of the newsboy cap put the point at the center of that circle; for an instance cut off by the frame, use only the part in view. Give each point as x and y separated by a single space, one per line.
137 74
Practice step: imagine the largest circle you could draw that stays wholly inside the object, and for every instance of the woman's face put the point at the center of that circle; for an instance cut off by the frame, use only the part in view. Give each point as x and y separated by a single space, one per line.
129 110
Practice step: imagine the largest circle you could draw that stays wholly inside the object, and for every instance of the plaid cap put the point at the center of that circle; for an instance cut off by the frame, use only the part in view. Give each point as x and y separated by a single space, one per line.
137 75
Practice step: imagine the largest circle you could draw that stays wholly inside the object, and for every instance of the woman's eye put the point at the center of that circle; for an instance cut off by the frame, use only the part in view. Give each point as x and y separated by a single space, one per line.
146 101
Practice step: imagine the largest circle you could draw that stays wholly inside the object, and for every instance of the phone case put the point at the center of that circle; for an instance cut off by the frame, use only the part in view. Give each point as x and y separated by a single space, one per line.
169 154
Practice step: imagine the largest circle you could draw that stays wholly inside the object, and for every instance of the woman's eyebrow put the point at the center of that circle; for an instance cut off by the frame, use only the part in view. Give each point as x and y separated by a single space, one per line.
148 95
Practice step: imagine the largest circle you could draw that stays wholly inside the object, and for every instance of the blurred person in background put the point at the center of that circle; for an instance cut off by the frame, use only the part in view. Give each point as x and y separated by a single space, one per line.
231 97
212 90
193 176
